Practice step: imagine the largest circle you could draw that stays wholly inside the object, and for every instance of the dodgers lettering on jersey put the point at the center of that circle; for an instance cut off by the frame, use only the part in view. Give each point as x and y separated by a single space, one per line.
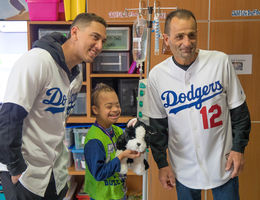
194 97
57 101
71 103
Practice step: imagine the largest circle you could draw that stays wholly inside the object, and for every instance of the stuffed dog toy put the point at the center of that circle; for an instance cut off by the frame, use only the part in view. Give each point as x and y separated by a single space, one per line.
136 138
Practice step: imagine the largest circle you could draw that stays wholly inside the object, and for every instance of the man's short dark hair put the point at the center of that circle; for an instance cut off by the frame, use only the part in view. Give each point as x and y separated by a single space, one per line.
179 13
84 19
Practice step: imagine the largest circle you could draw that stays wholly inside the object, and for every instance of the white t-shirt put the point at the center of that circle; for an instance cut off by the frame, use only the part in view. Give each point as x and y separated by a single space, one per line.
197 104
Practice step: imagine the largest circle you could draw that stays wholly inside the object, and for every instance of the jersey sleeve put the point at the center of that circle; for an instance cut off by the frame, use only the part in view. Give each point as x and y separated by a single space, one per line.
235 92
26 80
24 84
155 106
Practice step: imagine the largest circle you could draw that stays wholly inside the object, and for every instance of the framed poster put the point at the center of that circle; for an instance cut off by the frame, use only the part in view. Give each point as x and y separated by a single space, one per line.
14 10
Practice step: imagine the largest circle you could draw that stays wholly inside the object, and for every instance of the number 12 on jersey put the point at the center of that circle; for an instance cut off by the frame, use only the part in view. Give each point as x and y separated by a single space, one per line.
216 109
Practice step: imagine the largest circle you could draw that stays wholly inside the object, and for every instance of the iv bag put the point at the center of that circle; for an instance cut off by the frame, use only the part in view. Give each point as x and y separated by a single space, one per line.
140 32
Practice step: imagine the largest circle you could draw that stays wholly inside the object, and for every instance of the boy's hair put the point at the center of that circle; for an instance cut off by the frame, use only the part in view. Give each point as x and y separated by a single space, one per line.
84 19
179 13
100 87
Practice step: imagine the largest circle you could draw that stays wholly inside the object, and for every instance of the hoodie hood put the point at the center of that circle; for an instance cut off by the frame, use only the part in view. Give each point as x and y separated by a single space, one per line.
52 43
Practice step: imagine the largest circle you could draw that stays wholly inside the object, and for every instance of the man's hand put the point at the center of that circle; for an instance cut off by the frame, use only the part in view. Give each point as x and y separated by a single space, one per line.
15 179
167 178
235 161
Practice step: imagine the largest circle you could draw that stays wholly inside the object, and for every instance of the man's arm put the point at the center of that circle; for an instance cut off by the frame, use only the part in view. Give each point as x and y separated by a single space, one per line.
11 123
159 141
241 126
159 145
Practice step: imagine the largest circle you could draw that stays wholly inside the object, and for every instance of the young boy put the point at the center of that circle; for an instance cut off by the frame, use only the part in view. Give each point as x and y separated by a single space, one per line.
102 180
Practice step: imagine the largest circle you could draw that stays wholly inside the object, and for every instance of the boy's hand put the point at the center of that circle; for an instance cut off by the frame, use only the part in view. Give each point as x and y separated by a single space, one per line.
129 154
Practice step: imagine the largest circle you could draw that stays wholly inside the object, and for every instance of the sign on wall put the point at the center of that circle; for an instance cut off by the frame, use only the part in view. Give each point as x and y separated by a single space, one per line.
242 63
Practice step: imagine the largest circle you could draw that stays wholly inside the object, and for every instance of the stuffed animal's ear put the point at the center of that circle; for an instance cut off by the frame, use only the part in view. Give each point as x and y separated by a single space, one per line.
131 122
121 142
139 123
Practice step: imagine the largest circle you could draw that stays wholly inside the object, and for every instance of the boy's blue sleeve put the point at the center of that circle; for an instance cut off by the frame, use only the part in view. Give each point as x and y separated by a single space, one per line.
95 157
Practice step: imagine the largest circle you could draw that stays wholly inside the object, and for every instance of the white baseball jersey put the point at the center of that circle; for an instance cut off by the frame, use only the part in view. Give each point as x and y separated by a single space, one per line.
197 104
43 89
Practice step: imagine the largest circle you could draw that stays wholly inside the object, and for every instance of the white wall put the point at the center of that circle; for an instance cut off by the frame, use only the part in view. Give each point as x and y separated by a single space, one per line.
13 43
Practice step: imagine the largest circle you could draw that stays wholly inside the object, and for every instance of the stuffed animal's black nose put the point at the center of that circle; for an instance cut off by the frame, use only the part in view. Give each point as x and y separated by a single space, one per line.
138 144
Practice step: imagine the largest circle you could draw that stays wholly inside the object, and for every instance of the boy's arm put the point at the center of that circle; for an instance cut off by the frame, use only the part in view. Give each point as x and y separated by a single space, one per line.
95 157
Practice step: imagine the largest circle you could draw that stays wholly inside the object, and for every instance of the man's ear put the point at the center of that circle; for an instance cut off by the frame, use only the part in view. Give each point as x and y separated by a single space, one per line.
74 32
166 39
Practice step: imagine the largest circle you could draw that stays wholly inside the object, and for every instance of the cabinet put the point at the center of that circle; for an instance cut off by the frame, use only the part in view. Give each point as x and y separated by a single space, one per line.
134 182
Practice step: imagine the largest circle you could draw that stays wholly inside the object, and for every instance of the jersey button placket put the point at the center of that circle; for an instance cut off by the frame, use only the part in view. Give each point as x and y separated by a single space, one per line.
187 78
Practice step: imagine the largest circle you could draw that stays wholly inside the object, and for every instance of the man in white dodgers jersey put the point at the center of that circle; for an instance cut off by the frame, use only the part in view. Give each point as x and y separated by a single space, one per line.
198 106
41 92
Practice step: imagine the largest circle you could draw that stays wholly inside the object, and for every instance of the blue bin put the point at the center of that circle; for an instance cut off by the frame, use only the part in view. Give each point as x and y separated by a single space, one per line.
2 196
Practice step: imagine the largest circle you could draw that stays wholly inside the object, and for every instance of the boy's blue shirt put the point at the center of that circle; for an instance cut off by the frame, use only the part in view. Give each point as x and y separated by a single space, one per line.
95 157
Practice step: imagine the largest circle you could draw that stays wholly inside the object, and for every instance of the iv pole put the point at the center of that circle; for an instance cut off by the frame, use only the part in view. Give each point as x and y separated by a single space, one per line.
149 27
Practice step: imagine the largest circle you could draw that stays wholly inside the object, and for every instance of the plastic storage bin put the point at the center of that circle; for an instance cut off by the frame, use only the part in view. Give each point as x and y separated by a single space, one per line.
43 10
111 62
2 196
117 39
73 8
71 161
79 137
69 137
79 159
128 92
80 105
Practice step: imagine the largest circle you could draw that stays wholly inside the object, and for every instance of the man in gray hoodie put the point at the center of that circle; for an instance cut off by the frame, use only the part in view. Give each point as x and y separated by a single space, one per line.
41 93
